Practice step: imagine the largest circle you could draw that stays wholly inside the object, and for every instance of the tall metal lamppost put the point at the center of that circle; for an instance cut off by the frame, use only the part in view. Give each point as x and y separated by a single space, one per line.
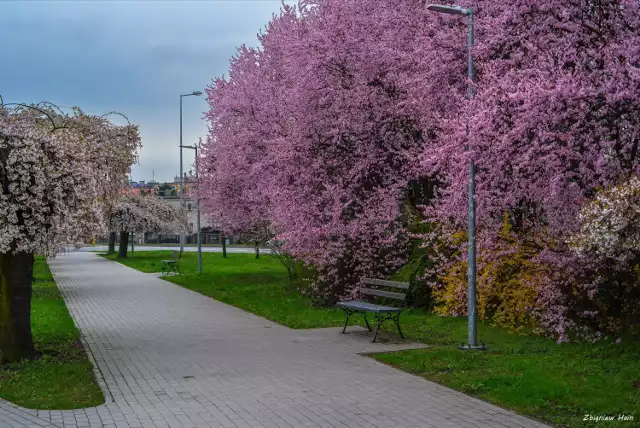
133 250
197 94
198 209
471 271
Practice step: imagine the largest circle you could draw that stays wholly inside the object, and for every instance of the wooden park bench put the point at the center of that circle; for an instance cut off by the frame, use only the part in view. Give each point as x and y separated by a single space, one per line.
173 264
381 313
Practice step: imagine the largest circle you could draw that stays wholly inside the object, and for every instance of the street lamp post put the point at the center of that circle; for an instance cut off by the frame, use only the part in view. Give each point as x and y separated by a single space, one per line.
198 209
133 253
471 270
197 94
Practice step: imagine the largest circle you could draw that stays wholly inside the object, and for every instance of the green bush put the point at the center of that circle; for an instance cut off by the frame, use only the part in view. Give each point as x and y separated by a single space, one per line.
418 295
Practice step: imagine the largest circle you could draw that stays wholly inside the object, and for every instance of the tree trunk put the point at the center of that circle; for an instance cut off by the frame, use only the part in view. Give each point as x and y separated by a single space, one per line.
124 243
289 264
224 245
257 250
16 276
112 243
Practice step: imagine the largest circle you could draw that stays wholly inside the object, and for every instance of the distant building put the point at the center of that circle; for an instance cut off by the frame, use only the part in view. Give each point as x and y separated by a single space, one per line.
140 188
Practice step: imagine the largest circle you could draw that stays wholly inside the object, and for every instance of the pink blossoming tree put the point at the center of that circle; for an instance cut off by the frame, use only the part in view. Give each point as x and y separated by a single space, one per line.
556 115
312 133
322 129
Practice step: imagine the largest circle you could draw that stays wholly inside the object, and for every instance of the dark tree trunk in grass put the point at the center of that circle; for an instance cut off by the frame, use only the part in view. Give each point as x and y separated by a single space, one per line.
224 245
124 243
112 243
257 250
16 275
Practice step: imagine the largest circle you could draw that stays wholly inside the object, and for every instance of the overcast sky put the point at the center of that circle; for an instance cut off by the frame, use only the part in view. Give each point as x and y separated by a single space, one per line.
135 57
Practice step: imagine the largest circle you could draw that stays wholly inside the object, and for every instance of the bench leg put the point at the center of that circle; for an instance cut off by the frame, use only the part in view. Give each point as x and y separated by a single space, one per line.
364 314
348 313
380 321
397 321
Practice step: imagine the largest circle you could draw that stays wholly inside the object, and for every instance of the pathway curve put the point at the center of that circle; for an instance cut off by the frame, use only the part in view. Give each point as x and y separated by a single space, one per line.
170 357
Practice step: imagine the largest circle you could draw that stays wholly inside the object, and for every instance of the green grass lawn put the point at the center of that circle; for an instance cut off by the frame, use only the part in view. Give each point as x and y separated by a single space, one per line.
62 378
559 384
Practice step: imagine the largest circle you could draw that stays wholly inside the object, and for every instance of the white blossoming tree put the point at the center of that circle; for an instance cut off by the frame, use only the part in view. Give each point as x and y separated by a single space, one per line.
55 170
609 238
139 214
117 151
113 149
610 223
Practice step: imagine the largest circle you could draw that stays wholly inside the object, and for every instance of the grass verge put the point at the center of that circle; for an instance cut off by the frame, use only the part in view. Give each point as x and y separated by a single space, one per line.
62 378
533 376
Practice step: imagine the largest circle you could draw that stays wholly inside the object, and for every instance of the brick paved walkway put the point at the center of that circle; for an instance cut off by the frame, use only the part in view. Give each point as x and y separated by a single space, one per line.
169 357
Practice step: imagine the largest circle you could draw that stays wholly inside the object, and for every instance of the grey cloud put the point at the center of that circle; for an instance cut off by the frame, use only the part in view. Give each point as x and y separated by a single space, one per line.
131 56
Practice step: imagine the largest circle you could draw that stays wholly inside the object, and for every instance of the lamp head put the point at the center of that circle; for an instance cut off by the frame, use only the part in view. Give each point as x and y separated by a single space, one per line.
449 10
196 93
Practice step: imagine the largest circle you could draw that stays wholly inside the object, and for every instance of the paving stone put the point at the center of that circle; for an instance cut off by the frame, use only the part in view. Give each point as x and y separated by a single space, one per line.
166 356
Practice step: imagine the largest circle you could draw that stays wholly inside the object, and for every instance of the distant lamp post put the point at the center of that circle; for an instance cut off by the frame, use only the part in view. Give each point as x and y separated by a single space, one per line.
133 249
197 94
197 207
471 272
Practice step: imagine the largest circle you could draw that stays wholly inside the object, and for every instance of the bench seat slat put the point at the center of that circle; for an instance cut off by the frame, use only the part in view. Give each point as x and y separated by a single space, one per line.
381 293
366 306
385 283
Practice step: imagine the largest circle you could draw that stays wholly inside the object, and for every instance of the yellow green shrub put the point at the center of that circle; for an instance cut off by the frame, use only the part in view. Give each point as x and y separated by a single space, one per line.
506 282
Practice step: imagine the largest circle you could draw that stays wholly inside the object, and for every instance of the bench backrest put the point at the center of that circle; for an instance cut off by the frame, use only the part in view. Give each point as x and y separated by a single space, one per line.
382 283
